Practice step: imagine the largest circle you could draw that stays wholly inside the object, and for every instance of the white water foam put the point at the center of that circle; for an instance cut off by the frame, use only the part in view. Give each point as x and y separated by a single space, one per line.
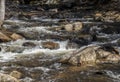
114 75
6 56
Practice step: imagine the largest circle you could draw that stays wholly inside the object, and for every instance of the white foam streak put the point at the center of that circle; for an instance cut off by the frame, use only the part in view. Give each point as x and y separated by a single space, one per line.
113 75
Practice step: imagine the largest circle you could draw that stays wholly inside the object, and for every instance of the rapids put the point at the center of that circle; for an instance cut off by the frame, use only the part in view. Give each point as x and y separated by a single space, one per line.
40 64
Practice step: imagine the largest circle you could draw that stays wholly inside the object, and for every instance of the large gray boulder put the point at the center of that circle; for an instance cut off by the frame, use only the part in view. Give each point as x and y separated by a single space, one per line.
92 55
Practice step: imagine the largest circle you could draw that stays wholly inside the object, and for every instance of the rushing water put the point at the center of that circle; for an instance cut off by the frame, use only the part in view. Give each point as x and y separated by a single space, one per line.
38 64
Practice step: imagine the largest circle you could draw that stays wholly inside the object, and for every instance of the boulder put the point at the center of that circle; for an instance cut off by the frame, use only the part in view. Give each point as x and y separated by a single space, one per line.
7 78
92 55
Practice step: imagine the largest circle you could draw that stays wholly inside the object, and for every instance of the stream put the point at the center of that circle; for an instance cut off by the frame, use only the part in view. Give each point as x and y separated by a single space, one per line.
40 64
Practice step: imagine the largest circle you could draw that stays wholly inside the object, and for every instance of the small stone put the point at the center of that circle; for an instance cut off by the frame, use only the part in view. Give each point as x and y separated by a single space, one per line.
98 15
16 74
15 36
74 27
50 45
68 27
77 26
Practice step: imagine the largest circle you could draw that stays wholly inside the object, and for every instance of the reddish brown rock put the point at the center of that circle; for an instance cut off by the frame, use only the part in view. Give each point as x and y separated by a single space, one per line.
50 45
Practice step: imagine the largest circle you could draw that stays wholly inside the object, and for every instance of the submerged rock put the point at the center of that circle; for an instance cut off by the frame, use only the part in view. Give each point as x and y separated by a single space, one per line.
29 44
14 49
50 45
7 78
92 55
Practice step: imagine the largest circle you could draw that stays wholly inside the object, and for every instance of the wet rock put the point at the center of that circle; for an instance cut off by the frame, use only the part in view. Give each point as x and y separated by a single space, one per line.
14 49
36 73
111 16
69 27
98 16
72 46
75 27
16 74
81 39
102 39
91 55
15 36
7 78
30 35
4 37
50 45
29 44
9 36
